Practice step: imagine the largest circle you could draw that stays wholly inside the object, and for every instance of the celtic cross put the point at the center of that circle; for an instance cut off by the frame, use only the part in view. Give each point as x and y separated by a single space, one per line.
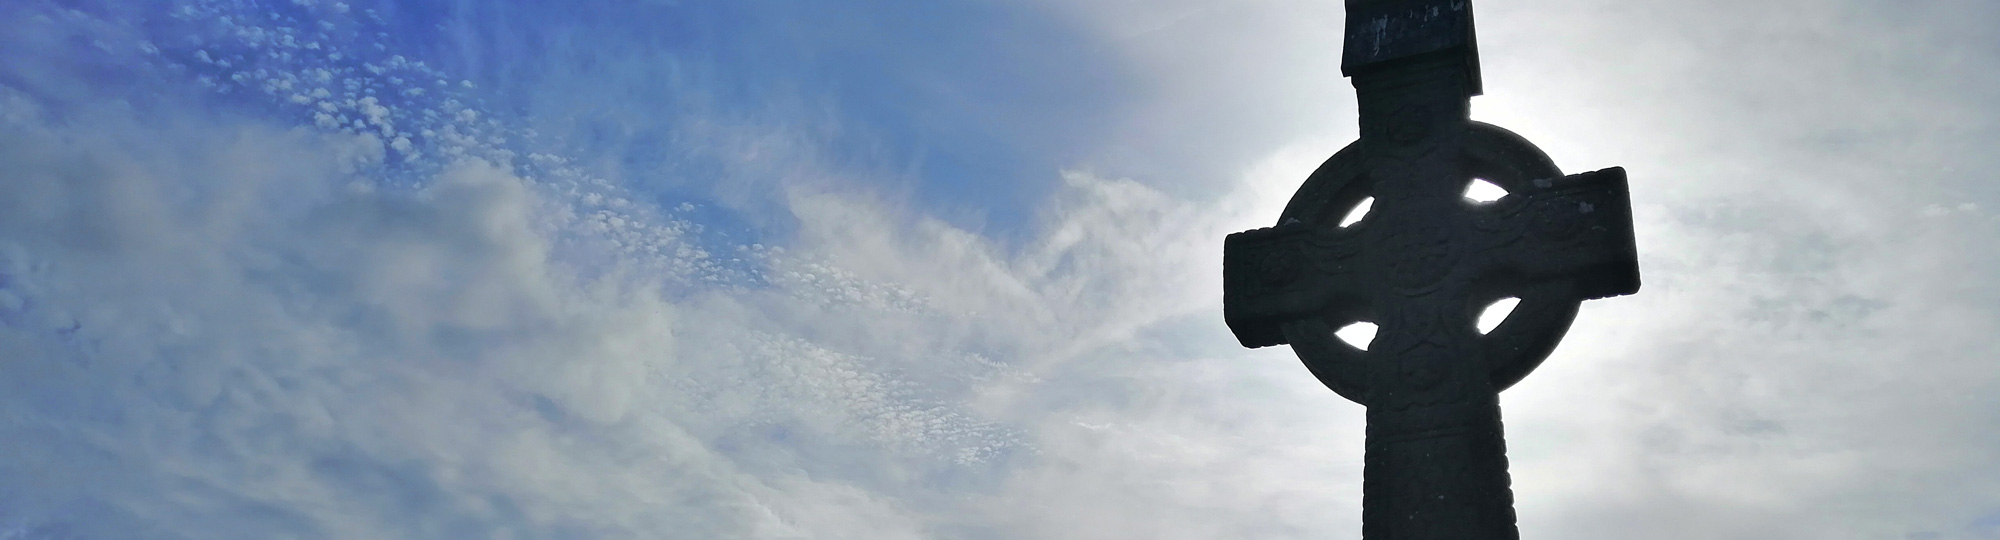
1421 264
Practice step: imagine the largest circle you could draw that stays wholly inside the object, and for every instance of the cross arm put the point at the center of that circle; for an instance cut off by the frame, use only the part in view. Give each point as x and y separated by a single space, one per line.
1576 228
1287 273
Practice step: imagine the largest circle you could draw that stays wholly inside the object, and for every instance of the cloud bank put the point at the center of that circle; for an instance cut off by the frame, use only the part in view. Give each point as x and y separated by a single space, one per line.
260 277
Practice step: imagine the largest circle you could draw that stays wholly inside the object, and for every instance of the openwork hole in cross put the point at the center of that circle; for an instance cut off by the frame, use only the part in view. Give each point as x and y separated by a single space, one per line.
1358 334
1496 312
1482 191
1359 212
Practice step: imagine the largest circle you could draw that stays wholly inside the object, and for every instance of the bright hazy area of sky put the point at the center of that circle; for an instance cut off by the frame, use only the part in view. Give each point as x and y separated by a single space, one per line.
881 270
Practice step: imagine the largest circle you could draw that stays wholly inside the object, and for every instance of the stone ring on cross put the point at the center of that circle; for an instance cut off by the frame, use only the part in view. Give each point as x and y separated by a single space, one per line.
1528 334
1421 264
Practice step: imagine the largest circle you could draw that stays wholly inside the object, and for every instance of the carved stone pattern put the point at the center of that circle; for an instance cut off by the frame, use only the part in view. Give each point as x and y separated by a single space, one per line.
1433 464
1278 267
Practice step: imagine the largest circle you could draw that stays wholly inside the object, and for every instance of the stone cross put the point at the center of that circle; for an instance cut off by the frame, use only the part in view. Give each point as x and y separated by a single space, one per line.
1422 264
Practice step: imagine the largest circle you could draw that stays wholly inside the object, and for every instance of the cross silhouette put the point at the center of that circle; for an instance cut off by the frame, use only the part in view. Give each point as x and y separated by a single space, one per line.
1421 264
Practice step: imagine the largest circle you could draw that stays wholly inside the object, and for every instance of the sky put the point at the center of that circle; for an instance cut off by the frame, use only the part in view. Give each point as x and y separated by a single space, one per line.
609 269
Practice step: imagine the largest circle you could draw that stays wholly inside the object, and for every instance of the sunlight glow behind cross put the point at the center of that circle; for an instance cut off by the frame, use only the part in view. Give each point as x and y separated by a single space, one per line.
1354 216
1483 191
1359 334
1495 313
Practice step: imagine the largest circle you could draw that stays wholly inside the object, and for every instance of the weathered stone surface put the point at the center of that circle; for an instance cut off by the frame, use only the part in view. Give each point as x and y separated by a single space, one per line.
1422 264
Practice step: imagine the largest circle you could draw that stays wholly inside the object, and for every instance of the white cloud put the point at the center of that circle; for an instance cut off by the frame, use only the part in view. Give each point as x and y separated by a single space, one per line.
214 339
221 327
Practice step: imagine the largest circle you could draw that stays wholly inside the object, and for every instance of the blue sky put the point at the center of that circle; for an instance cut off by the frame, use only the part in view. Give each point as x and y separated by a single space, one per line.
650 269
963 108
